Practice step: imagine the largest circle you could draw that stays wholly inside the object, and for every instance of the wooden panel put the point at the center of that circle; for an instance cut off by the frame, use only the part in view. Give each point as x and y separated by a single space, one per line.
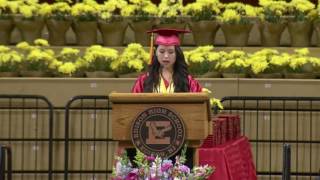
193 115
157 97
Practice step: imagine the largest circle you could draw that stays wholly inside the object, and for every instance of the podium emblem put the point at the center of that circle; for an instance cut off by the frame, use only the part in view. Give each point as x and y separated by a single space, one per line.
158 131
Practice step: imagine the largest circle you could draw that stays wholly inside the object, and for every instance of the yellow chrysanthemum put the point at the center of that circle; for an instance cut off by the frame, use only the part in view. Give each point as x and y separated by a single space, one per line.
67 68
4 49
41 42
69 51
231 16
133 59
302 51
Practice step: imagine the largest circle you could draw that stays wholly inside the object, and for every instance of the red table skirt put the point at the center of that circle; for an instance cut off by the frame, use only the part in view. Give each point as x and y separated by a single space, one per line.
232 160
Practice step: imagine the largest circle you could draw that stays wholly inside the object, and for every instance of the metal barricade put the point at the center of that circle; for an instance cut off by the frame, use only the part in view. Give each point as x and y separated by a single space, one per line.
5 162
271 122
89 148
26 125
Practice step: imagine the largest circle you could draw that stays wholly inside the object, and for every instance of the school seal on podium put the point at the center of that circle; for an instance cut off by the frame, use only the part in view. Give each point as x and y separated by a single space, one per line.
158 131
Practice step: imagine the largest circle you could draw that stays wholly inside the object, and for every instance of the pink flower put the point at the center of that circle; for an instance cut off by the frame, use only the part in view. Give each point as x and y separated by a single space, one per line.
150 158
133 175
166 166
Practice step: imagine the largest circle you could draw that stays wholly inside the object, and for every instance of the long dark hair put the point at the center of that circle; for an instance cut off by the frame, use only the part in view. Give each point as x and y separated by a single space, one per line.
180 73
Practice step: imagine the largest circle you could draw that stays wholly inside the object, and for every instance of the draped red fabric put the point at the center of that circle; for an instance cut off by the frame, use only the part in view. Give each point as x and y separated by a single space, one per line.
232 160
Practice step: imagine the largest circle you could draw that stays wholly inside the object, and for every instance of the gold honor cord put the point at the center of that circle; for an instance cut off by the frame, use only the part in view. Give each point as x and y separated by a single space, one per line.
162 87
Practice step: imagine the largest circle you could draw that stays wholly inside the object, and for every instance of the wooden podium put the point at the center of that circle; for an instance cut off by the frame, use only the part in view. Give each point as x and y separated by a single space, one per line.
193 109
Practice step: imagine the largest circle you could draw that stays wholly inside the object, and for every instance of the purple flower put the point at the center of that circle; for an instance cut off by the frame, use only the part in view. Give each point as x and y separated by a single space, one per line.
184 169
133 175
166 166
150 158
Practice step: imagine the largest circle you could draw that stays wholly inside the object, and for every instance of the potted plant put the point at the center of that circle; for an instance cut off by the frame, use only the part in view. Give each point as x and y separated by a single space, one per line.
316 25
36 60
202 62
67 63
58 22
272 23
236 23
169 15
30 19
142 19
112 23
299 66
97 61
203 23
7 9
131 62
85 23
302 14
267 63
233 64
10 61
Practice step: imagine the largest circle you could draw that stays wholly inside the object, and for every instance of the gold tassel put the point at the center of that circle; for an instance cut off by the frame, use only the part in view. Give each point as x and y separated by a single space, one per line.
151 48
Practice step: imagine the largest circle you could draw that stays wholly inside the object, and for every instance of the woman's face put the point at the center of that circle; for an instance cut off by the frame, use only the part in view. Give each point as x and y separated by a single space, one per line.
166 56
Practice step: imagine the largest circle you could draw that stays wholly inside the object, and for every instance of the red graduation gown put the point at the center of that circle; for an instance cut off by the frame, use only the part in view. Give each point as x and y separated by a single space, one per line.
138 86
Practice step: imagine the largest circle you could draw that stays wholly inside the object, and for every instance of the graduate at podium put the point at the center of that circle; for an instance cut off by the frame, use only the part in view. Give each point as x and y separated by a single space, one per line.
168 70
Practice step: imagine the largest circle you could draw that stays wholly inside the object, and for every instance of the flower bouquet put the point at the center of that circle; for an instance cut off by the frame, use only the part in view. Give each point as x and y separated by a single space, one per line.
155 168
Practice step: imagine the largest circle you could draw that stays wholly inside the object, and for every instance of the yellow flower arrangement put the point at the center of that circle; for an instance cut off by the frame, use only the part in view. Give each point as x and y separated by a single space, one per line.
68 55
67 68
273 10
7 8
169 10
66 61
233 62
38 57
237 13
59 11
112 10
302 10
300 61
98 58
263 61
202 10
85 11
133 59
32 9
202 60
9 60
140 10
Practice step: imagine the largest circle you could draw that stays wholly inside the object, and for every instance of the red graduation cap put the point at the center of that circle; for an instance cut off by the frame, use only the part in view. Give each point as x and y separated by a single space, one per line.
167 37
